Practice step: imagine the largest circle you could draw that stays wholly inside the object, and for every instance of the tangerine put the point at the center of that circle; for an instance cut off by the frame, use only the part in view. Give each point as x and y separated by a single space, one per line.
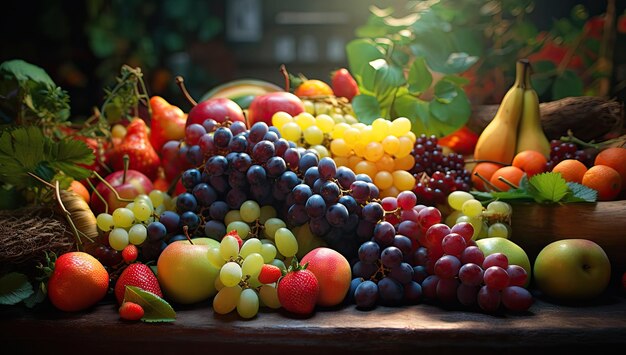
80 190
615 157
530 161
605 180
571 170
486 170
511 173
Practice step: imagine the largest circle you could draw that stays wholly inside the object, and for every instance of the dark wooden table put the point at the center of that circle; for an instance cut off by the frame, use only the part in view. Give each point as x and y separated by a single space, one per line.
547 328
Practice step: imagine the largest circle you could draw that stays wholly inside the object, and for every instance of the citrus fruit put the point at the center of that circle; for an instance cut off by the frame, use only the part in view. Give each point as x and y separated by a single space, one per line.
80 190
486 170
614 157
511 173
531 161
78 282
605 180
571 170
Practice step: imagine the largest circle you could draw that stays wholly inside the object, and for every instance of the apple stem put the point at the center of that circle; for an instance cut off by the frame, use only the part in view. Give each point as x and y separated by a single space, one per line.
478 161
93 188
185 230
126 159
488 183
106 183
504 180
283 70
181 84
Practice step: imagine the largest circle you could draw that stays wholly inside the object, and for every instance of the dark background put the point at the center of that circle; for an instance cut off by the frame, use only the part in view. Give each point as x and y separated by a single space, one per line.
196 39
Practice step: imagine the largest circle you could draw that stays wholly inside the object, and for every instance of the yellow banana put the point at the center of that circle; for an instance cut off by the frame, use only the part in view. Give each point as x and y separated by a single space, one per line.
530 134
498 140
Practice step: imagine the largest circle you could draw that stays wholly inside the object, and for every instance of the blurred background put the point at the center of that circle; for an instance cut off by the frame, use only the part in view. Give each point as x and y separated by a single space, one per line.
82 45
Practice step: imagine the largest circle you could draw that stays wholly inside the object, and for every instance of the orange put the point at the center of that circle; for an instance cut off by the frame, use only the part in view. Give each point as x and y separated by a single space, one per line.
80 190
313 87
78 282
571 170
605 180
531 161
486 170
614 157
511 173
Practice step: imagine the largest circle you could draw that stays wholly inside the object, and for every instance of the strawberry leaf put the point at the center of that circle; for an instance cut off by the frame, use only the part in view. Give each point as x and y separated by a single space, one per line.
580 193
155 308
548 187
14 288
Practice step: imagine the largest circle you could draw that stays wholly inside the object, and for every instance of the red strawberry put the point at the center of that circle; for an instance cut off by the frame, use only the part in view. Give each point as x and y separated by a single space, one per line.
131 311
235 235
136 144
139 275
343 84
269 274
298 289
167 123
130 253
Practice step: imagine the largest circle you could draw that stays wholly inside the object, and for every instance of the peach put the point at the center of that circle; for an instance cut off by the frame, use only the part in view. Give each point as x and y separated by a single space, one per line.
333 273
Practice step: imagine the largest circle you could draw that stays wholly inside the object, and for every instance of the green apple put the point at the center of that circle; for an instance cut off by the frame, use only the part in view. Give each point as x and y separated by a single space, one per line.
572 270
515 253
185 273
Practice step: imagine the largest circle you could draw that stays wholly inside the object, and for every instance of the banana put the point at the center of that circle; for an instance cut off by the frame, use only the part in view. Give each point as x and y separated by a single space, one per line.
530 134
498 140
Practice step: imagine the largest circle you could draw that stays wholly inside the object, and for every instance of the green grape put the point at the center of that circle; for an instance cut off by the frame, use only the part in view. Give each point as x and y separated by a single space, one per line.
268 251
130 205
226 300
158 210
472 208
304 120
291 131
145 198
272 225
248 304
230 274
339 129
213 254
242 228
286 242
252 265
232 216
325 123
229 248
137 234
499 207
123 218
269 296
168 202
252 245
104 221
279 263
313 135
156 196
350 119
400 126
280 118
218 283
267 212
250 211
323 152
457 198
498 229
142 211
484 230
307 241
452 218
118 238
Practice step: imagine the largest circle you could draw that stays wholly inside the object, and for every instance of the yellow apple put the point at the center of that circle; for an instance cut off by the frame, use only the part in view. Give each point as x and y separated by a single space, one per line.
185 273
515 253
572 270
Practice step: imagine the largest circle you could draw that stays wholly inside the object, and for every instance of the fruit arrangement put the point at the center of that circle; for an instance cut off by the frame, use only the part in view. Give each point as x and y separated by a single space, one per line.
291 202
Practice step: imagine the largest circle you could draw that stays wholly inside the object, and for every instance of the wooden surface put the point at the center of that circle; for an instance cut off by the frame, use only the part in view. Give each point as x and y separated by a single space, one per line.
418 329
537 225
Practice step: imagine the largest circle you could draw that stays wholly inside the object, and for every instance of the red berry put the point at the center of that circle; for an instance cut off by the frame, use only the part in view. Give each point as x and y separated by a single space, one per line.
269 274
131 311
298 290
130 253
235 235
138 275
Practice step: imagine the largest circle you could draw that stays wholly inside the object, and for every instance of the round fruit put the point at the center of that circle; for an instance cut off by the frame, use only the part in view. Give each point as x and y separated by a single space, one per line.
80 190
486 170
515 253
333 273
511 173
78 282
571 170
615 157
530 161
313 87
605 180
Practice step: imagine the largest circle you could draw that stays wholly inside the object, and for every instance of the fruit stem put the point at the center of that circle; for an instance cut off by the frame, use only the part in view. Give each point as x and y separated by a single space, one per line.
488 183
126 159
504 180
283 70
478 161
93 188
571 138
106 183
186 231
180 82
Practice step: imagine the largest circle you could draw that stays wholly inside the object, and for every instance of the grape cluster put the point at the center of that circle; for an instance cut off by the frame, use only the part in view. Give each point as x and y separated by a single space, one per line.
560 151
494 220
437 174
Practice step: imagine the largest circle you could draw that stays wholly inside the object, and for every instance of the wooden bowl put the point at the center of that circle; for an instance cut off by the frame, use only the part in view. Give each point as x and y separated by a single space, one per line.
537 225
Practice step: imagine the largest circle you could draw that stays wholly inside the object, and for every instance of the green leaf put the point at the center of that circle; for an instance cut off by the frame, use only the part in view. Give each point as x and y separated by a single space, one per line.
155 308
383 77
420 77
416 110
513 194
451 116
567 84
366 108
459 62
445 91
23 72
68 153
360 52
580 193
548 187
14 288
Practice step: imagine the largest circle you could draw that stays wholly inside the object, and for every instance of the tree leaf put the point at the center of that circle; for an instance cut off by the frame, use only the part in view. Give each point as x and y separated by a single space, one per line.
567 84
366 107
23 72
420 77
155 308
547 187
14 288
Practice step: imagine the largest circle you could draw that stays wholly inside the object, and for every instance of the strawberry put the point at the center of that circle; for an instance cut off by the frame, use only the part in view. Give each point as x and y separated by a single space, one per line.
235 235
343 84
143 157
167 123
269 274
298 289
131 311
130 253
139 275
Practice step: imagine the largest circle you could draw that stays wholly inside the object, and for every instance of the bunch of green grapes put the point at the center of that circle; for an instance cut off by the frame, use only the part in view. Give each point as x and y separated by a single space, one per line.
306 130
493 220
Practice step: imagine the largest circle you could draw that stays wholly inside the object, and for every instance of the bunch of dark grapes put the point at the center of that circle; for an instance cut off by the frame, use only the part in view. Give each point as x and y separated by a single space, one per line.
560 151
437 174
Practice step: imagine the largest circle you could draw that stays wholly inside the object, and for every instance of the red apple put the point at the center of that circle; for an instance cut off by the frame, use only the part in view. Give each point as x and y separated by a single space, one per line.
263 107
135 183
333 273
220 109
